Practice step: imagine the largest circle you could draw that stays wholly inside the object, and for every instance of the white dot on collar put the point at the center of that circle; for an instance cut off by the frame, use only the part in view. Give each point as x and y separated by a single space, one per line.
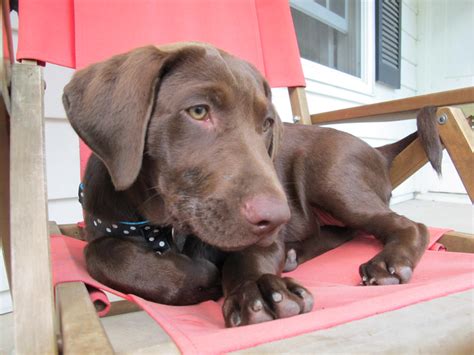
95 223
108 230
126 232
151 239
133 228
161 244
99 221
114 226
147 228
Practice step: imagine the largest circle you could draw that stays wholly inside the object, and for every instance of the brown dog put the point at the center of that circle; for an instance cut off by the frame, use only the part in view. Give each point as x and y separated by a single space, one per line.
185 140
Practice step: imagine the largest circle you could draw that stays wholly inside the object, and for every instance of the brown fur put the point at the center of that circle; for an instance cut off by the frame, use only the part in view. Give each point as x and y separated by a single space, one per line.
214 180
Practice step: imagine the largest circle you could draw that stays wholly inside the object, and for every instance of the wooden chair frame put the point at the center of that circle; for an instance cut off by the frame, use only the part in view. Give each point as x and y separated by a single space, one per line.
68 322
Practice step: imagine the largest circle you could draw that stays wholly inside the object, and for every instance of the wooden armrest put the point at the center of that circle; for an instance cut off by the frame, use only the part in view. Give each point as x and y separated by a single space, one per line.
404 108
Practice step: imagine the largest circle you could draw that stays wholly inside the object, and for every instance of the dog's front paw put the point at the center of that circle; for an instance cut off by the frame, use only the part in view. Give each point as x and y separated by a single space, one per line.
270 297
387 269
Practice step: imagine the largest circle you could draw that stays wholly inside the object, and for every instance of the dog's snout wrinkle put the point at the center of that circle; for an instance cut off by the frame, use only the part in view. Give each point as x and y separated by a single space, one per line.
265 213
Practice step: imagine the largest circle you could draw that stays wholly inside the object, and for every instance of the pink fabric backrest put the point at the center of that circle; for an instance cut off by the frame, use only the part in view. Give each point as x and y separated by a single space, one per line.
75 33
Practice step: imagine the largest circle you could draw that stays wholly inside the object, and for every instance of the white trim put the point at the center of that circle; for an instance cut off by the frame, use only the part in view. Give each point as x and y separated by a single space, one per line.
444 197
365 84
5 302
402 198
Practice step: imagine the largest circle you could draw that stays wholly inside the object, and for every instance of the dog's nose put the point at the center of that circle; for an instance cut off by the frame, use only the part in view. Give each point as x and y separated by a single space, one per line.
265 213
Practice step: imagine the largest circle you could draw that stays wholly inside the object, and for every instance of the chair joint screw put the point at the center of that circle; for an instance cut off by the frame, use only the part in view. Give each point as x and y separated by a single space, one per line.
296 119
442 119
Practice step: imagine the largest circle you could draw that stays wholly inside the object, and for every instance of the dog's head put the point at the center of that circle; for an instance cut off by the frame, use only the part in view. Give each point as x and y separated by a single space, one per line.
196 124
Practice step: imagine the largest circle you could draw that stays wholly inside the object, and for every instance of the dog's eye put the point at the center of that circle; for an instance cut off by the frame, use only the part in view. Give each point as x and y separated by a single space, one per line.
198 112
267 124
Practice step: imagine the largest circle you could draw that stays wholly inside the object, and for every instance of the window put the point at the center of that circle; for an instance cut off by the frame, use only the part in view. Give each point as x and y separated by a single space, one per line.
329 33
336 40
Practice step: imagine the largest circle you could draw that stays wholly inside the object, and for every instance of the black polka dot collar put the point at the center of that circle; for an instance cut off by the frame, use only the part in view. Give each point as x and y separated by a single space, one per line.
158 238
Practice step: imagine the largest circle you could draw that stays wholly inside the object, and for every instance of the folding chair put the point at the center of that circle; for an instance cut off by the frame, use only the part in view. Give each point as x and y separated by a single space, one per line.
77 36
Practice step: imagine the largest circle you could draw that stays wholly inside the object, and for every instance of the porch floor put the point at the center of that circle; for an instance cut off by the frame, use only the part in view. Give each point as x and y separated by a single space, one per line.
443 325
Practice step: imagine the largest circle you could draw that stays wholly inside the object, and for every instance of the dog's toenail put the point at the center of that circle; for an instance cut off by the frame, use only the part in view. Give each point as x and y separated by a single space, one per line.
300 292
235 319
291 255
277 297
257 306
391 270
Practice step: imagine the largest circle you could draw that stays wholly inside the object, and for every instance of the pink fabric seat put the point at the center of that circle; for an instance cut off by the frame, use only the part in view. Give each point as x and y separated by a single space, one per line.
333 278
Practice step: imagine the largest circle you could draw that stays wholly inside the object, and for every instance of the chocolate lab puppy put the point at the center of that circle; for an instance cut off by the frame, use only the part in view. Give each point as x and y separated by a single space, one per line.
195 186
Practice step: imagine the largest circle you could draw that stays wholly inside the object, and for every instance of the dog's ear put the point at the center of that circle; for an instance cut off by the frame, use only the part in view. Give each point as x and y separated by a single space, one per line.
109 105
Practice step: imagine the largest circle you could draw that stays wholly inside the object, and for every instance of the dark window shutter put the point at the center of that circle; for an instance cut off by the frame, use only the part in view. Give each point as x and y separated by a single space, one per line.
388 38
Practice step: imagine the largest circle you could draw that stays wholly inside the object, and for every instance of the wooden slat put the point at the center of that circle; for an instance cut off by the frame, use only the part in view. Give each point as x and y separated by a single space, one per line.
458 242
404 108
122 307
458 139
31 269
407 162
72 230
53 228
299 105
81 330
5 188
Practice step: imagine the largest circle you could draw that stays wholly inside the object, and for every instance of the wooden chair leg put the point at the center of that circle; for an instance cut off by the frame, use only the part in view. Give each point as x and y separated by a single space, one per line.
31 268
299 105
458 138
